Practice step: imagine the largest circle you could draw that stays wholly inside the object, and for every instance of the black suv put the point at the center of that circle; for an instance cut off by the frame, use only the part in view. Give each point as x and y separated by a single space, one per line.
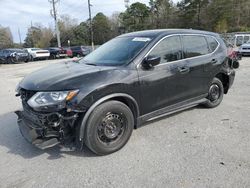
57 52
8 56
80 51
126 82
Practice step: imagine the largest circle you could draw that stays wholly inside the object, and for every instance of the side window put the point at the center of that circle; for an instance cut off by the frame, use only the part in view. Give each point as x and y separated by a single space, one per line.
239 40
168 49
195 46
213 44
246 39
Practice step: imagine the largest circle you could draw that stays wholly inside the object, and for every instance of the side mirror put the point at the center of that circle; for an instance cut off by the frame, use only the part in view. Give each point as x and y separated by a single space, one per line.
151 61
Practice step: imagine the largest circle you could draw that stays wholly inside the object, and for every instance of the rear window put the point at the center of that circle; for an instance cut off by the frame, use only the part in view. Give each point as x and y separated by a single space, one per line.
75 48
213 44
246 39
35 49
239 40
195 46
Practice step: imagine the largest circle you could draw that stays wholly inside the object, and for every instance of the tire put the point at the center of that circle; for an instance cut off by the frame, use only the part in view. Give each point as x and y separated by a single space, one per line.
10 60
31 58
109 127
53 56
215 94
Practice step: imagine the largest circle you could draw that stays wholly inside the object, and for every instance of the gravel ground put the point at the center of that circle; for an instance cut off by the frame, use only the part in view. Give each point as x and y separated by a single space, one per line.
195 148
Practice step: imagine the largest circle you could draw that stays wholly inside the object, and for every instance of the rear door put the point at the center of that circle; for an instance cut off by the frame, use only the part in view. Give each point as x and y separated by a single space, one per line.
199 61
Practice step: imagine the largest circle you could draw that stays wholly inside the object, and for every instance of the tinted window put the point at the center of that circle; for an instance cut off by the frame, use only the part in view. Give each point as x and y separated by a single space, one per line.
239 40
168 49
75 48
246 39
195 46
213 44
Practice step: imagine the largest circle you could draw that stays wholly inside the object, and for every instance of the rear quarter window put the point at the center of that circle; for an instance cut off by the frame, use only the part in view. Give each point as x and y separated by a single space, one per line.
212 43
195 46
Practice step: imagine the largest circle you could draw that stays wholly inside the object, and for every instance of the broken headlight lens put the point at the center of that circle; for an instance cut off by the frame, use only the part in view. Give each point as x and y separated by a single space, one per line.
41 99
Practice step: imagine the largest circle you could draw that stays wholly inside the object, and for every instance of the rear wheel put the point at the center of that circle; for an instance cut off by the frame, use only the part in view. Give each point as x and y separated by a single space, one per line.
31 58
27 60
215 94
10 60
109 127
53 56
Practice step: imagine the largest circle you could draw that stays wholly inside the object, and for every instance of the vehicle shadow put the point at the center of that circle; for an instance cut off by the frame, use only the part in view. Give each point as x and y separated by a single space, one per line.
12 140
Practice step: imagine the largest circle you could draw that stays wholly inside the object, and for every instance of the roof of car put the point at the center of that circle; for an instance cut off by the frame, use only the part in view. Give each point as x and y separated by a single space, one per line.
158 32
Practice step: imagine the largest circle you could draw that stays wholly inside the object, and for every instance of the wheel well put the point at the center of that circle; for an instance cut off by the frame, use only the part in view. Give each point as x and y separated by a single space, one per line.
225 81
131 104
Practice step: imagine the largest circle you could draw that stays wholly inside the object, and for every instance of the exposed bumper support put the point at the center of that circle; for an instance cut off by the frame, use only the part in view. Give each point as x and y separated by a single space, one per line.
40 135
33 134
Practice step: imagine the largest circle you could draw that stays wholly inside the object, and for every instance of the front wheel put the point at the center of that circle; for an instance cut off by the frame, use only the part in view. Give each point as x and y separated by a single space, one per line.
109 127
215 94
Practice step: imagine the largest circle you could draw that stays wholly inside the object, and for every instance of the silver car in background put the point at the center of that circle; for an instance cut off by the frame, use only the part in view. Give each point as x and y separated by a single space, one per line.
37 53
245 49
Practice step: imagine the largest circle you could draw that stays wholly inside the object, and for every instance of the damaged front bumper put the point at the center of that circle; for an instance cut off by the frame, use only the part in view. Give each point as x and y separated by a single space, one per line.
45 130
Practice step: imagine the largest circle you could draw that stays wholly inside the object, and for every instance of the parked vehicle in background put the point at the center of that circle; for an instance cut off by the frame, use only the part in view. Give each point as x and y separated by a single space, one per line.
128 81
244 49
8 56
56 52
233 55
80 51
37 53
237 39
240 39
68 51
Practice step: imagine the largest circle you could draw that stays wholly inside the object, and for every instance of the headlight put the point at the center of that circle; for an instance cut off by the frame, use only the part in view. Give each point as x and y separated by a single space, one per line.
58 98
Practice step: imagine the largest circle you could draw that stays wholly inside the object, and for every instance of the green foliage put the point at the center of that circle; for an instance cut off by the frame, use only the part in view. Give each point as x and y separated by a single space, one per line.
6 40
102 28
135 17
213 15
38 37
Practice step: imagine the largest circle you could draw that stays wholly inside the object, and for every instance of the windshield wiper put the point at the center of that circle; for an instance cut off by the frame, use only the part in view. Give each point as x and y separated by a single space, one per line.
91 64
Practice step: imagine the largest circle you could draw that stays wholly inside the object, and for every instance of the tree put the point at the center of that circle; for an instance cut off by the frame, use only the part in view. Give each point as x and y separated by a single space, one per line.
6 39
135 17
101 28
115 23
192 13
38 36
81 35
161 13
66 26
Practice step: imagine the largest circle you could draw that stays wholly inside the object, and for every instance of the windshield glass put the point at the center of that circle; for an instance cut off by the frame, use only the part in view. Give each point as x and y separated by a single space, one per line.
118 51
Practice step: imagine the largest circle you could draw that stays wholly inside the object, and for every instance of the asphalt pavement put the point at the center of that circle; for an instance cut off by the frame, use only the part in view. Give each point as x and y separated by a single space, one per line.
203 148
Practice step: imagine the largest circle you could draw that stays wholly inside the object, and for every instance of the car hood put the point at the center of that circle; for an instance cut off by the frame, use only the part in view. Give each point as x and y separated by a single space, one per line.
64 76
245 45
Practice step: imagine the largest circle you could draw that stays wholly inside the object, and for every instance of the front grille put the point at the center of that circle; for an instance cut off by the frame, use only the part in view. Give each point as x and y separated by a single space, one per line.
246 48
26 94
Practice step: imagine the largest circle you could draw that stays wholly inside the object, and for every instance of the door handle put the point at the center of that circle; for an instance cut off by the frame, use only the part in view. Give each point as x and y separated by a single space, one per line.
214 61
183 69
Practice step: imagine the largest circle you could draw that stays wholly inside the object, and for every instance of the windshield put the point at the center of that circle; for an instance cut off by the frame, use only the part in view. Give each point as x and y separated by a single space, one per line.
118 51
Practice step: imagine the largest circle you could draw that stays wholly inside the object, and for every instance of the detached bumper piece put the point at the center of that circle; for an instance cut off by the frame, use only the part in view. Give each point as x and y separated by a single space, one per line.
43 131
